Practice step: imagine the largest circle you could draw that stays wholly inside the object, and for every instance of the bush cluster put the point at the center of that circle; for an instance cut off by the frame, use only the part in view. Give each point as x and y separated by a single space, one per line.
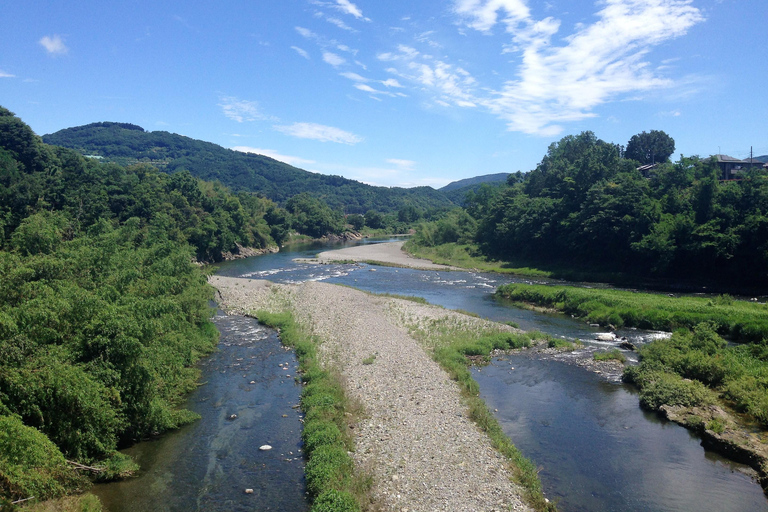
692 367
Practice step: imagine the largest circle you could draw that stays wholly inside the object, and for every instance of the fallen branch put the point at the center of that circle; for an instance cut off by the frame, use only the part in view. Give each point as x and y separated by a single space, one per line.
77 465
22 501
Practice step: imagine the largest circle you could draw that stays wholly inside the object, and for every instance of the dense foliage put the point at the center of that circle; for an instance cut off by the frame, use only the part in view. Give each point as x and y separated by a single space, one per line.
586 205
741 320
692 367
129 144
102 310
653 147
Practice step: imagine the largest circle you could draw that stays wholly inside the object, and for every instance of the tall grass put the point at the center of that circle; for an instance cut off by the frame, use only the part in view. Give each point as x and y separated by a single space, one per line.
330 475
738 319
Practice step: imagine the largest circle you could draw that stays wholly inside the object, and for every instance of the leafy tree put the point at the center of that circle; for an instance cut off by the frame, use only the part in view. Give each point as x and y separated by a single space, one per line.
313 217
650 148
374 219
356 220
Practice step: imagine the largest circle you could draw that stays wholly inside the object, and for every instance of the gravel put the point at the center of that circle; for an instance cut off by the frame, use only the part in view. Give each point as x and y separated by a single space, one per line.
390 253
414 437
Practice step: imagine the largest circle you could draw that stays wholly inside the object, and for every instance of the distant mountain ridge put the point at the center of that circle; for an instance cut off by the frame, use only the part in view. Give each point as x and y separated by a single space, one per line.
466 182
126 144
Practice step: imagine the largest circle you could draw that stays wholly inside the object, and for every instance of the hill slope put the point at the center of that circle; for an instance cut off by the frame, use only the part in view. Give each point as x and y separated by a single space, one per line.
126 144
477 180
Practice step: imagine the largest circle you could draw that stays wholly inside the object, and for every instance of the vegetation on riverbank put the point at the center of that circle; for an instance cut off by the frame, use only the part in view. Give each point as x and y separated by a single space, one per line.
452 344
103 312
467 256
588 210
741 320
331 481
697 367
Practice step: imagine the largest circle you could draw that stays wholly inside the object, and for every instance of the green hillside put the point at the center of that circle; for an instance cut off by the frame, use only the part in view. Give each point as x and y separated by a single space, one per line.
477 180
125 144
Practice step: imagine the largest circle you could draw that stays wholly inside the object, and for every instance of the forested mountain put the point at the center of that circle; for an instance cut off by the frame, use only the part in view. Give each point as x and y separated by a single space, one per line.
477 180
128 144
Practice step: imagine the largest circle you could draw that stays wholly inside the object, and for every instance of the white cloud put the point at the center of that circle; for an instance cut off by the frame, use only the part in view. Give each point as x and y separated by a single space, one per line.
301 52
339 23
305 32
319 132
3 74
348 7
599 62
333 59
483 14
366 88
391 82
290 160
54 45
241 110
402 164
354 76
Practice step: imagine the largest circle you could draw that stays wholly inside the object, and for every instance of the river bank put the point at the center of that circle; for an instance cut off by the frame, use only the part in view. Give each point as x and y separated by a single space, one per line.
387 253
415 437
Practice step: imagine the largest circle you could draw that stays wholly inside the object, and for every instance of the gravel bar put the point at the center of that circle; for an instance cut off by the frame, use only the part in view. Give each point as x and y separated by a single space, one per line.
414 436
388 253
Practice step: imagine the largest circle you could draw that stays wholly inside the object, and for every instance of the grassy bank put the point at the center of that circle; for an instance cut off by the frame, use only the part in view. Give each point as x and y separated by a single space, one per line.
741 320
452 344
331 480
694 368
467 256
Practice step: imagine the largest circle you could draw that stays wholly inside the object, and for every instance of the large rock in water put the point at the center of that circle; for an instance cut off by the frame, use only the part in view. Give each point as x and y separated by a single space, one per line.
605 336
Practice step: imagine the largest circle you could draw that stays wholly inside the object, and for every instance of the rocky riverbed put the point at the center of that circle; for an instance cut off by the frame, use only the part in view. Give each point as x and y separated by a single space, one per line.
414 436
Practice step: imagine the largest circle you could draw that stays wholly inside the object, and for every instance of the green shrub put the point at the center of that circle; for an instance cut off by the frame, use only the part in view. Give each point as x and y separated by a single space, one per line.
716 425
335 501
319 433
662 388
560 344
31 465
609 355
329 467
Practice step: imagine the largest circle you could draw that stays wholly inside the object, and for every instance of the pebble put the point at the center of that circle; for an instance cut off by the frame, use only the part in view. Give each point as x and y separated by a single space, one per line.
265 447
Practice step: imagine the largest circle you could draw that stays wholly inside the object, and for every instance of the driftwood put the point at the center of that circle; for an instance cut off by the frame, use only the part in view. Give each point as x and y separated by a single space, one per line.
92 469
22 501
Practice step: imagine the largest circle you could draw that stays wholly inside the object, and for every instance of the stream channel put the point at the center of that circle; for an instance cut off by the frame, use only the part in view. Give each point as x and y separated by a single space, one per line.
596 449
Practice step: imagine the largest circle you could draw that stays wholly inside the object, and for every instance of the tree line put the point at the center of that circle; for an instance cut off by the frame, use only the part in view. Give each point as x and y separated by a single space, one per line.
587 204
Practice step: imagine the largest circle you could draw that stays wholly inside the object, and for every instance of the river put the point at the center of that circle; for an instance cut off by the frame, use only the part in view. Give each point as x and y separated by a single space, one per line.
596 448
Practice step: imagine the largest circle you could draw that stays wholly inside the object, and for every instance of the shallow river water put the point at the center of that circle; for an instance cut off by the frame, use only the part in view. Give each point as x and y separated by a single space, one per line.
597 450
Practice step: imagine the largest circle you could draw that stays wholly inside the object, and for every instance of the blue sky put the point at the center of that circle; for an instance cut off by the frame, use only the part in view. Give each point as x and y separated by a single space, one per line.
396 93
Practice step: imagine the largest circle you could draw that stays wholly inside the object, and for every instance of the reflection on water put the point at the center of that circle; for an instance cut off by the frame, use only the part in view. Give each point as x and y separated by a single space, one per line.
245 402
598 451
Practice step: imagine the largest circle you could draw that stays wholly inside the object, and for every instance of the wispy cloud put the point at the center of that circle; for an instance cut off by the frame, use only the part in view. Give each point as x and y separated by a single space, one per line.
319 132
240 110
290 160
348 7
54 45
333 59
354 76
554 84
339 23
3 74
301 52
402 164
